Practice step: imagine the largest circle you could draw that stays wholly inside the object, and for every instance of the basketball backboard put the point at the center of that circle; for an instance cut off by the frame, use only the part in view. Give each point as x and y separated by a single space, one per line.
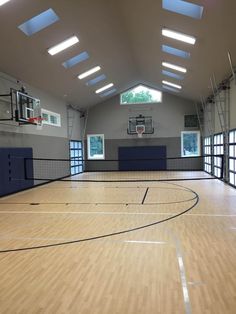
20 107
140 121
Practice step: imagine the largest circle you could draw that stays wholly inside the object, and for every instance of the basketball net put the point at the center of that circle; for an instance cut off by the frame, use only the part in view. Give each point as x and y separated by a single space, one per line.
140 129
37 121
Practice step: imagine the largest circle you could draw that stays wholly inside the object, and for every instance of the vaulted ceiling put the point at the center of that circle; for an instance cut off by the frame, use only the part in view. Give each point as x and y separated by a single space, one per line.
123 37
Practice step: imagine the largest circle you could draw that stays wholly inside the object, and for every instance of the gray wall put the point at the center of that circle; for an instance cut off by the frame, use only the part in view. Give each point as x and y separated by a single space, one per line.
212 112
50 141
111 119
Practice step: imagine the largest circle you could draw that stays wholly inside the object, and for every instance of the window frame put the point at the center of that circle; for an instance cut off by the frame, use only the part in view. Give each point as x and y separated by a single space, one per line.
232 158
51 113
207 152
218 145
198 143
74 161
141 103
88 147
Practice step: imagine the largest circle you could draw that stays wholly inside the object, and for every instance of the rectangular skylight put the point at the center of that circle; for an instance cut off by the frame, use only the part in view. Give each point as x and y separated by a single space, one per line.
183 7
178 36
176 52
2 2
170 89
75 60
173 75
39 22
100 90
174 67
63 45
96 80
112 91
171 84
89 72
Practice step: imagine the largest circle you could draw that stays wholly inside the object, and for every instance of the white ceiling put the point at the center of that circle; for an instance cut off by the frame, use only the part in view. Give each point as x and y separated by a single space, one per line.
123 37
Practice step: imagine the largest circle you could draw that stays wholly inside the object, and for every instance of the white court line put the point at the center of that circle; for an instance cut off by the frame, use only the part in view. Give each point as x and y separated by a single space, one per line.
112 213
83 213
144 242
37 239
184 283
181 269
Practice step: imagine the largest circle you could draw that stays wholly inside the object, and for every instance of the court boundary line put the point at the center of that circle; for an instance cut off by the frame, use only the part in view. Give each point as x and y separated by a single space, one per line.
108 234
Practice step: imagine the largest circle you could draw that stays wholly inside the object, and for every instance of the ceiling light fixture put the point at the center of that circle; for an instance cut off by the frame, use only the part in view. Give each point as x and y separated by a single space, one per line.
104 88
171 84
63 45
178 36
89 72
2 2
174 67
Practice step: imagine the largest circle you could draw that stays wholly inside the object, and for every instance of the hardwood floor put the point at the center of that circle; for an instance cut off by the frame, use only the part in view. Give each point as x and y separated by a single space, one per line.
183 265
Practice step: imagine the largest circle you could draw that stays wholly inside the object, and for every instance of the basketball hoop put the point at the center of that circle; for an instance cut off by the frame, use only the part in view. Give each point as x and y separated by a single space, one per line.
140 129
35 120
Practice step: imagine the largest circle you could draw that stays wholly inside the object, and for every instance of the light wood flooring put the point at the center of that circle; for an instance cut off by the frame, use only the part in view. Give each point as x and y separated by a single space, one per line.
184 265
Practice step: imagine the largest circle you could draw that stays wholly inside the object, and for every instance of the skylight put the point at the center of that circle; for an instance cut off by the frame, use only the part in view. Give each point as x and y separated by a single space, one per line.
176 52
183 7
174 67
112 91
171 84
140 95
39 22
173 75
178 36
75 60
100 90
96 80
63 45
89 72
170 89
2 2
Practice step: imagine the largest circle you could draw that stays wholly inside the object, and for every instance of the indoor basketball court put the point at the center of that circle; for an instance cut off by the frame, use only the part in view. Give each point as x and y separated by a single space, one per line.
117 157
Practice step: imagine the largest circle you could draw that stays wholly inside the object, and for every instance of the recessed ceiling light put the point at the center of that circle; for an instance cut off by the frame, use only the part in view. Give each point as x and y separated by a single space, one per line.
104 88
63 45
171 84
174 67
89 72
178 36
3 2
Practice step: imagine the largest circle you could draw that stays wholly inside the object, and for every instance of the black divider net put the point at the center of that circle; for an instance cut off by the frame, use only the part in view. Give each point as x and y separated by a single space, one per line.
188 168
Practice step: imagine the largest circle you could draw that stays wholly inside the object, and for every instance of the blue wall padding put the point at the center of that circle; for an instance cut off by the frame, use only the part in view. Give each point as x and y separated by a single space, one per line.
142 152
12 170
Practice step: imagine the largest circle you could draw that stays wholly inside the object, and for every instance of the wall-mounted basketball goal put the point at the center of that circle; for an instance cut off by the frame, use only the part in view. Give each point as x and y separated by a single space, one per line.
20 107
140 125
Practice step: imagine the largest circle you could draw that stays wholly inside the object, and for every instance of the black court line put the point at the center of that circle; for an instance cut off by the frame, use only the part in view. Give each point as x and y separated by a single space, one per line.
145 195
68 203
196 198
